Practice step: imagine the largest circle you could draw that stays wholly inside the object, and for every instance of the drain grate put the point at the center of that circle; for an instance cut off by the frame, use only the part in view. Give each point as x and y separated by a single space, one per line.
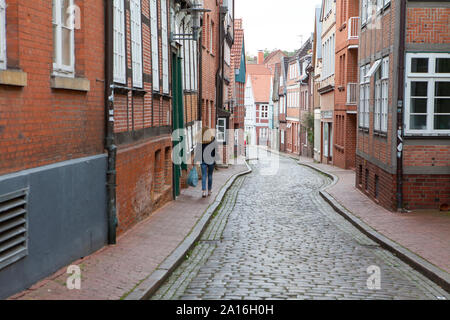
13 227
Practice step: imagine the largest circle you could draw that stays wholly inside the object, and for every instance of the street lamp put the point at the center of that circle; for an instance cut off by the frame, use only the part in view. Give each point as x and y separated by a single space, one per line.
196 10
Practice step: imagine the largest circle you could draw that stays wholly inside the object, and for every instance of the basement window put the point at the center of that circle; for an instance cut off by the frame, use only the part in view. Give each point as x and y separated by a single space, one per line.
13 227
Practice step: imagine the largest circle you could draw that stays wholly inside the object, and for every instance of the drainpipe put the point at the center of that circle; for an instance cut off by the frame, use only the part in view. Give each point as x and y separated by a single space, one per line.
200 75
109 119
400 104
220 69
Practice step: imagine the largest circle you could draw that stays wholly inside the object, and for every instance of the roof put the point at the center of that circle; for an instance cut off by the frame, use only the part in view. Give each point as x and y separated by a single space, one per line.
236 50
261 81
273 54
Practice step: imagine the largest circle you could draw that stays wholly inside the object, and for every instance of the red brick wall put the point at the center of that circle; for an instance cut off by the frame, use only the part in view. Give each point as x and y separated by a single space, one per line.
210 62
143 187
428 25
144 184
40 125
428 156
386 196
426 191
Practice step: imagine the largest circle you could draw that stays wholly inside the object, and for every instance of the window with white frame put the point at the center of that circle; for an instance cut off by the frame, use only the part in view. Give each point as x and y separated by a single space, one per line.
2 34
221 129
328 57
381 96
264 111
136 42
155 45
187 59
364 95
63 38
427 97
327 6
119 42
211 36
366 11
165 46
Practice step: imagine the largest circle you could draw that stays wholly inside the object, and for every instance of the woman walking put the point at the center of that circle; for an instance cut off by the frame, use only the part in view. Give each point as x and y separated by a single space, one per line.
208 159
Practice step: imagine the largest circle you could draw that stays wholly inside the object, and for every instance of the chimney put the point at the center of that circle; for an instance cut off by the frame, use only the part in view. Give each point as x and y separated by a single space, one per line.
260 57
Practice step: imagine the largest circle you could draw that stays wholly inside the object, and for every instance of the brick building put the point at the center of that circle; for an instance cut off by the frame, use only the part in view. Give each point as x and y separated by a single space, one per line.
282 103
238 77
346 86
142 108
402 156
209 62
297 97
257 96
52 130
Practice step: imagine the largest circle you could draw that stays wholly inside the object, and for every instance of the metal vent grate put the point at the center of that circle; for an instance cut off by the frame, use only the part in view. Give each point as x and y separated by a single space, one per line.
13 227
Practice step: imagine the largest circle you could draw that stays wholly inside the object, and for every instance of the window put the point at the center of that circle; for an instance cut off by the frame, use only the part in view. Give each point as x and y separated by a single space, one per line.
328 57
327 7
165 46
119 42
136 42
384 94
2 34
211 36
63 38
155 46
427 97
381 96
264 112
366 11
364 94
187 61
221 128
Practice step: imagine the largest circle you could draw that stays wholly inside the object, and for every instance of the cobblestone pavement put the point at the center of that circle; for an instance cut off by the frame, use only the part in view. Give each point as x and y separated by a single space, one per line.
275 238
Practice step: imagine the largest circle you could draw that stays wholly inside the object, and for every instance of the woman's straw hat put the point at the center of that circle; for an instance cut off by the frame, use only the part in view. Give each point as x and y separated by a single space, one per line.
207 135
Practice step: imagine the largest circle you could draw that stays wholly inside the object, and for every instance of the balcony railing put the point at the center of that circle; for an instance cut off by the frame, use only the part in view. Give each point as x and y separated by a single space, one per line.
352 93
353 28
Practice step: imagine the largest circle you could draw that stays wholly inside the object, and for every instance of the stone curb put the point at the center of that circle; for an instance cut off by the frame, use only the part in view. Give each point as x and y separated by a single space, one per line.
152 283
430 271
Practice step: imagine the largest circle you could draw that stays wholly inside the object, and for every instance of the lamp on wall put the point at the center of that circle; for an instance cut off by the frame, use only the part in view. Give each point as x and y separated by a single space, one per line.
195 11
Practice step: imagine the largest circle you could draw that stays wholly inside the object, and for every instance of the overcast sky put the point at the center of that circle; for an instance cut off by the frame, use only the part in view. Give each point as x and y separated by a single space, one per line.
275 23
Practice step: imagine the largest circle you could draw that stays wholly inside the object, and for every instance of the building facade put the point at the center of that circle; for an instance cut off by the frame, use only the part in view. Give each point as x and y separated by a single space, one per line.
53 166
403 121
239 75
257 101
346 86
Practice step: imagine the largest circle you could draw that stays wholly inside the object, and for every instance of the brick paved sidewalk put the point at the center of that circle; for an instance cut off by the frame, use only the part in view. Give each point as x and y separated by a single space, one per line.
114 271
424 232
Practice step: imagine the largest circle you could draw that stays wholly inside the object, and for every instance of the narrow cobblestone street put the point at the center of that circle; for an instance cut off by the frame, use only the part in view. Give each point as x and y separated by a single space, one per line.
275 238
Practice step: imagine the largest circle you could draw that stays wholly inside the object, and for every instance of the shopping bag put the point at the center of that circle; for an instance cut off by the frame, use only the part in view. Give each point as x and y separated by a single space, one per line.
192 179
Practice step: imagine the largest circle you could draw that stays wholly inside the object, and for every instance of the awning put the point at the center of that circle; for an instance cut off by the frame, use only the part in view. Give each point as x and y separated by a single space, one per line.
373 69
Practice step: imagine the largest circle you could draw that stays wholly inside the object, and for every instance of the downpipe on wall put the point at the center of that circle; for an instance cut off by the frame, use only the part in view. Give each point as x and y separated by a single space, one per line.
400 106
110 146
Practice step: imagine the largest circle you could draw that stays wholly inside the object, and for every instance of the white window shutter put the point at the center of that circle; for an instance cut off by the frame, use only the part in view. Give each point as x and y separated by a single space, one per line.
165 46
155 45
136 42
119 42
2 34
